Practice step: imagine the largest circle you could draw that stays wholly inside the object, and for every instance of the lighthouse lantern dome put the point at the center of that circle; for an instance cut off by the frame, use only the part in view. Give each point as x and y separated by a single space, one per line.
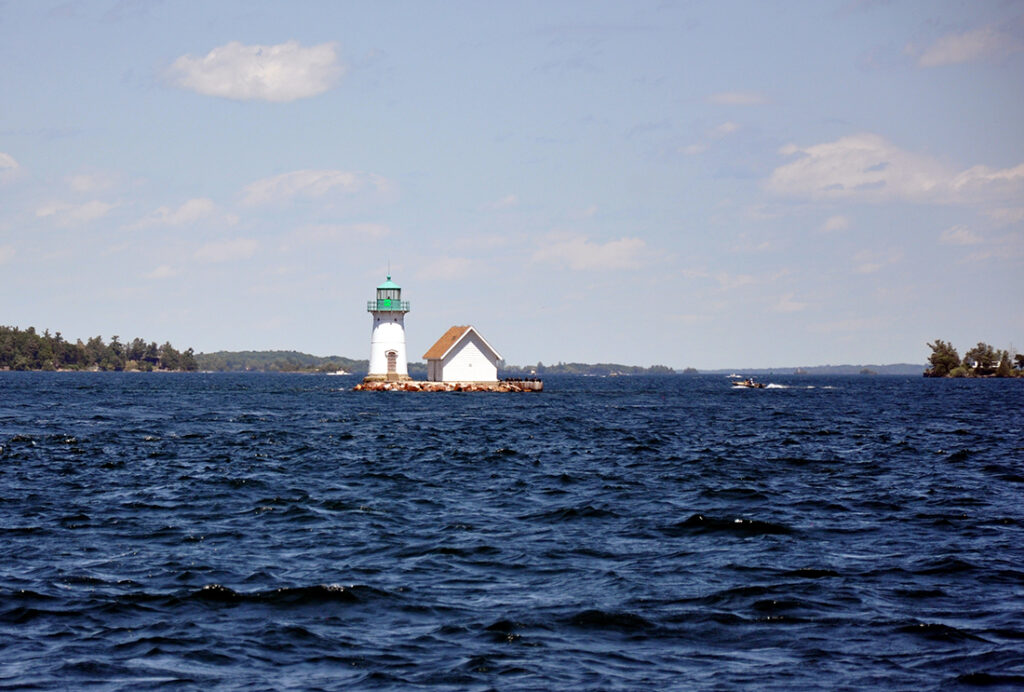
389 298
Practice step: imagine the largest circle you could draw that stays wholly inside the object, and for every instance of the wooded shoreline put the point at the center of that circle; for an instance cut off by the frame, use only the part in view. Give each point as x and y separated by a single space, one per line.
981 361
28 350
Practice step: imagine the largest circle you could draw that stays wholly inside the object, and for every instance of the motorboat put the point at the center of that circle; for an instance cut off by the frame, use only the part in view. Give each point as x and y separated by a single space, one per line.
748 384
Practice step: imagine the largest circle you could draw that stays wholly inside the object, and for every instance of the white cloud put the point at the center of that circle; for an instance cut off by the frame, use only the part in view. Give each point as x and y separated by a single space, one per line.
579 253
730 282
280 73
871 262
959 235
724 130
1009 247
91 182
191 211
6 253
311 184
835 223
689 318
787 304
738 98
67 215
717 132
9 168
746 243
506 202
227 250
162 272
869 168
1006 215
986 43
978 181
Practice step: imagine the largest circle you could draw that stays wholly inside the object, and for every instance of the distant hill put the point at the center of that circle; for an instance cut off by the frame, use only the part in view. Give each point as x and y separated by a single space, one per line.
605 369
276 361
893 369
295 361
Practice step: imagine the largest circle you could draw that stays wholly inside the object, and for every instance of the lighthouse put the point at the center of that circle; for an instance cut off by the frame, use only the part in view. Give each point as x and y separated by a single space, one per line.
387 340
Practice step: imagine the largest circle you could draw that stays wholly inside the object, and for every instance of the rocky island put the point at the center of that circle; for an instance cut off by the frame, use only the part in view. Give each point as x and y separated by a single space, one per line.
980 361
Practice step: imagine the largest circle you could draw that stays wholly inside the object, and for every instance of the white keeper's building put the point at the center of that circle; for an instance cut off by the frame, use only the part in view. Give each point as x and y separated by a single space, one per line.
462 355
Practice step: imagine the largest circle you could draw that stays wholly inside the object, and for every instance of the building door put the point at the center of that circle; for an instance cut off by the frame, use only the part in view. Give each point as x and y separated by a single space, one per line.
392 362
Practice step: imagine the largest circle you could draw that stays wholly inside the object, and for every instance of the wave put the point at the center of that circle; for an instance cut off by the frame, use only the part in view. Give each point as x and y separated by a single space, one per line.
617 620
739 526
285 596
28 606
938 632
586 511
985 679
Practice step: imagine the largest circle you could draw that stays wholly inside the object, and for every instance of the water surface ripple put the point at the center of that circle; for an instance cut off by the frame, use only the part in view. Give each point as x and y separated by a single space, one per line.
279 531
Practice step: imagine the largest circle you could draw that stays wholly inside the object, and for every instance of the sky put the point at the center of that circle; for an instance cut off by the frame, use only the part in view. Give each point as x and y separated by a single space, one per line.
693 184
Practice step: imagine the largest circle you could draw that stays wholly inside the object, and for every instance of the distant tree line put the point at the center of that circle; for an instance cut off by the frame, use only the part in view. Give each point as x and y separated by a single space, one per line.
605 369
980 361
276 361
27 350
295 361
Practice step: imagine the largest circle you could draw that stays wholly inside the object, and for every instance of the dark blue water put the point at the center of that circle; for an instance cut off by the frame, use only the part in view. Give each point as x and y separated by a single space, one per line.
281 532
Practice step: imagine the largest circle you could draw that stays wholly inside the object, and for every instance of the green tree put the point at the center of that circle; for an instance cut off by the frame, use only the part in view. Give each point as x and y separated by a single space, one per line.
95 349
169 357
136 349
45 352
944 359
1004 369
152 355
982 358
188 361
114 358
63 352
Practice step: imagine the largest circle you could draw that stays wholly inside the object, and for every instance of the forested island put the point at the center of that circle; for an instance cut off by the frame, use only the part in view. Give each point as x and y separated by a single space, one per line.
980 361
277 361
28 350
901 369
593 369
294 361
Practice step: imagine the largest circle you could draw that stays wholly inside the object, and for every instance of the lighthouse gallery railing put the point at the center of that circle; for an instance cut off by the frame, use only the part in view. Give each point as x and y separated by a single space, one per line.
388 304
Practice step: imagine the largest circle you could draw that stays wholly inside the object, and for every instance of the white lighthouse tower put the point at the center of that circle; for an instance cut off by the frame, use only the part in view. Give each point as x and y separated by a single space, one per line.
387 341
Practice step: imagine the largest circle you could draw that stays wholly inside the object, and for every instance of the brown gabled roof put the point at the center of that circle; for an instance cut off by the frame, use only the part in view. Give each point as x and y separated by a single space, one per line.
450 338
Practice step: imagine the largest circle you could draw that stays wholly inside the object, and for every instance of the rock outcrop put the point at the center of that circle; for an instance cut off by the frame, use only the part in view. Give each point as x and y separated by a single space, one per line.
418 386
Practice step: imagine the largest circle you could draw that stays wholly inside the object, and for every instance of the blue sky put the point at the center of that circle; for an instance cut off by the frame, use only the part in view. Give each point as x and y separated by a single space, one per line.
706 184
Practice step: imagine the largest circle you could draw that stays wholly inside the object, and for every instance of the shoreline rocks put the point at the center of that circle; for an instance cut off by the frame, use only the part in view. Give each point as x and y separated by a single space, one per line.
420 386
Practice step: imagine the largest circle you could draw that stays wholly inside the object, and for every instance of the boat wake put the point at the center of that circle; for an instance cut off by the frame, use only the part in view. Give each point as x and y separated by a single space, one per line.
772 385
